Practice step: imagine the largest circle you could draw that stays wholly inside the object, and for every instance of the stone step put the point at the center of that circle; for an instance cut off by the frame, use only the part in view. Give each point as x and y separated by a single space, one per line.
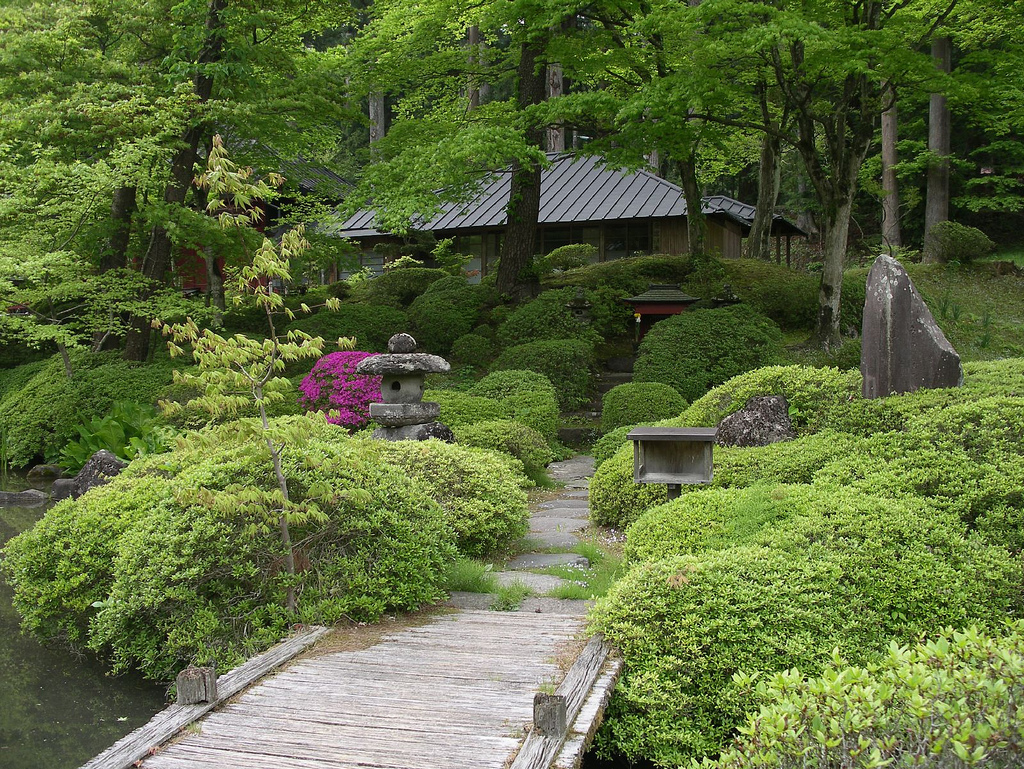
539 583
546 560
563 503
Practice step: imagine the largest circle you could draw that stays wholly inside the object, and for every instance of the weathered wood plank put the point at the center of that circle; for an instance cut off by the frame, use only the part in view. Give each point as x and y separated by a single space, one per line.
539 750
170 721
589 719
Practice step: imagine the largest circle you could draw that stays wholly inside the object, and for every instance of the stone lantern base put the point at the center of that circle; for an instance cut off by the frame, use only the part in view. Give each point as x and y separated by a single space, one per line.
423 432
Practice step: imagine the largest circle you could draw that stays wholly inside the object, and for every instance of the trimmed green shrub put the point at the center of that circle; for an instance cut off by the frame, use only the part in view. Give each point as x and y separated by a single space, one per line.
570 257
509 437
160 568
635 402
700 349
460 408
809 391
567 363
614 499
546 317
955 242
944 703
473 349
13 380
788 297
371 325
606 446
41 416
631 275
849 573
448 309
481 492
398 288
994 377
528 396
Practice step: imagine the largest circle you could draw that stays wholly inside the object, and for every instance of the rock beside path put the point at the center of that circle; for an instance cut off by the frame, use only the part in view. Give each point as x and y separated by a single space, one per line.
98 470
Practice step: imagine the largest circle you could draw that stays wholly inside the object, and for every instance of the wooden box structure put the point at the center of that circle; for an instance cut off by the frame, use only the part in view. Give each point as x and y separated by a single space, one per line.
673 455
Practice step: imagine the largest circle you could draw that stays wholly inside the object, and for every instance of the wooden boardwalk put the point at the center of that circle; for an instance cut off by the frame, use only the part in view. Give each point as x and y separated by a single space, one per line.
455 692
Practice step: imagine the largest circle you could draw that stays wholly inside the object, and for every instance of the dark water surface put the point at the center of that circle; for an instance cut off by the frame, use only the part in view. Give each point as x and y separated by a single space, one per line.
58 709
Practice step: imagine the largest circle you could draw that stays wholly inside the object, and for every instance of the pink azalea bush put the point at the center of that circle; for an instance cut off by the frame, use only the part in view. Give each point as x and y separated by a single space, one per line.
333 386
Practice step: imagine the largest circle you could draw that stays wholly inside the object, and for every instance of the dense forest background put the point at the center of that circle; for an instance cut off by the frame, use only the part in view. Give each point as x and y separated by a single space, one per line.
867 122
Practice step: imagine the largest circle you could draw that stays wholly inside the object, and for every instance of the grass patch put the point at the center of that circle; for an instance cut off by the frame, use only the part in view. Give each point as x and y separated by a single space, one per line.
510 596
468 576
586 584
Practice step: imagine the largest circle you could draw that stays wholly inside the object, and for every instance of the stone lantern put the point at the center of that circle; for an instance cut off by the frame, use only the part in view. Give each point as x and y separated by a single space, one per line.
403 416
579 307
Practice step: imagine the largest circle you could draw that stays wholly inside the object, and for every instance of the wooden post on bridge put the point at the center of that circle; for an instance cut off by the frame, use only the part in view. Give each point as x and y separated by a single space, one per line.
196 685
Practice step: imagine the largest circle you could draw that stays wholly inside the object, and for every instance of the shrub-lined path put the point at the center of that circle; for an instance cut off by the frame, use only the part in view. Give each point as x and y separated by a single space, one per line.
455 691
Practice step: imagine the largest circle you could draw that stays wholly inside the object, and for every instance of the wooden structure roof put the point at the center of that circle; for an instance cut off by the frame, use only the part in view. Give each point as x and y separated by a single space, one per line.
574 189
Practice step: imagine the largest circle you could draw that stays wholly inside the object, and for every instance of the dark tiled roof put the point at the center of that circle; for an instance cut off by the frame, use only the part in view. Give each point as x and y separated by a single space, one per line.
661 292
574 189
314 178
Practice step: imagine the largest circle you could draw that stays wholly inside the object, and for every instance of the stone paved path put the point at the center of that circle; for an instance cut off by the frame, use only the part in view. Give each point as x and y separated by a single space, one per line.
553 526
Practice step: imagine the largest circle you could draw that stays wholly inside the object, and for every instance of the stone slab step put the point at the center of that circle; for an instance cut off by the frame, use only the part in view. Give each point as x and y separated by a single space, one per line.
545 560
539 583
563 503
543 524
555 539
576 494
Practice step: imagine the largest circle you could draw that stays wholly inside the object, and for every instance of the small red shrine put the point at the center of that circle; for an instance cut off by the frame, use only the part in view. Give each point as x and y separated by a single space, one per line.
659 301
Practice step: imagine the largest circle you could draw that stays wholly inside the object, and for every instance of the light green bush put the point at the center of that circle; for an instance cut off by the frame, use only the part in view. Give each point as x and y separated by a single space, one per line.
570 257
943 703
568 364
701 349
614 499
371 325
809 391
609 443
481 492
636 402
461 408
528 396
155 571
837 574
509 437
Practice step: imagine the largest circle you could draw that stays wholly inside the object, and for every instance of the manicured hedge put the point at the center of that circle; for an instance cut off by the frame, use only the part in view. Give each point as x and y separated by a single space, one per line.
546 317
509 437
480 492
461 408
811 392
568 364
851 573
473 349
159 568
398 288
528 396
371 325
636 402
447 309
701 349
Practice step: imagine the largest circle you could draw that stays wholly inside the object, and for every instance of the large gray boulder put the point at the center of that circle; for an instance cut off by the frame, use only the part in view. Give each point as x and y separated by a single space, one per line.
98 470
763 420
902 347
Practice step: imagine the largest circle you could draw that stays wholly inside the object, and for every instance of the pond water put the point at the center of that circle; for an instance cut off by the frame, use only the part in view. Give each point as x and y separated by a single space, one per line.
58 709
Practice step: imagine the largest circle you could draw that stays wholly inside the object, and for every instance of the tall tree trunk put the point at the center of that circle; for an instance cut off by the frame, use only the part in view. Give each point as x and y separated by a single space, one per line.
378 116
524 203
890 186
158 256
936 207
122 208
696 222
555 134
759 242
474 58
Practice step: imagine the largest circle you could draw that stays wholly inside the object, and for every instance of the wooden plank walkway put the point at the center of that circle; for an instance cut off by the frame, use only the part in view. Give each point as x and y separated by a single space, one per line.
452 694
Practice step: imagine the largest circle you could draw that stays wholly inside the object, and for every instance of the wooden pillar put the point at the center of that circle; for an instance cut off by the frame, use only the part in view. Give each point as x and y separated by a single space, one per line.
778 250
789 249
